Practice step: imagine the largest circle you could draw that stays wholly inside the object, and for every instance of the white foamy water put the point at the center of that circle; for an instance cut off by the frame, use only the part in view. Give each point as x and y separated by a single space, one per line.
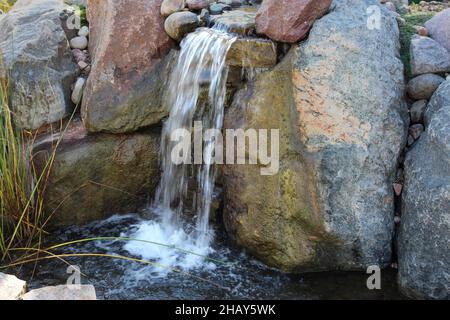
201 61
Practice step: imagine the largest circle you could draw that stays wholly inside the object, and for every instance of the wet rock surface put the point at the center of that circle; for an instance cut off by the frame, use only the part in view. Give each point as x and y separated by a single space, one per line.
95 175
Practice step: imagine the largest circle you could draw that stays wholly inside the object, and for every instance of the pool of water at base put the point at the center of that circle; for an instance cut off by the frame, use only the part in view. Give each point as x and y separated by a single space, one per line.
237 276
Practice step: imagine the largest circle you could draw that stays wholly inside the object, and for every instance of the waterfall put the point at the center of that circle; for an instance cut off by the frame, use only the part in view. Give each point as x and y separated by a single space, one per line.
201 62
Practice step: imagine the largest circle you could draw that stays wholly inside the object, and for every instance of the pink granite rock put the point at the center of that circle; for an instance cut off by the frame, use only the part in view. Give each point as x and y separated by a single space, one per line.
289 20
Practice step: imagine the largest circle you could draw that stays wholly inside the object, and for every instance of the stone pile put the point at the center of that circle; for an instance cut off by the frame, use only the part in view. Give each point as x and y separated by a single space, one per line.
79 42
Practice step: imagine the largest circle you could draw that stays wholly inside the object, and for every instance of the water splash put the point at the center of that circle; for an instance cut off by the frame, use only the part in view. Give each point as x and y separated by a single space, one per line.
201 62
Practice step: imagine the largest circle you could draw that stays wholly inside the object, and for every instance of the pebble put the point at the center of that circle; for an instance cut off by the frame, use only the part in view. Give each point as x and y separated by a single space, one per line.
390 6
178 24
79 43
219 8
422 31
83 32
397 219
416 131
79 55
423 86
417 111
204 17
398 188
77 93
410 140
83 65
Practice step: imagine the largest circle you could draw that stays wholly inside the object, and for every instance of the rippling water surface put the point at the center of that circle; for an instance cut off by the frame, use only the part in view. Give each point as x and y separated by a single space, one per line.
234 275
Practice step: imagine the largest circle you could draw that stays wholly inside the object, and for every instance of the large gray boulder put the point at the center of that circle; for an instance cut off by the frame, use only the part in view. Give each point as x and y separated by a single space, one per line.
35 47
338 102
424 238
95 176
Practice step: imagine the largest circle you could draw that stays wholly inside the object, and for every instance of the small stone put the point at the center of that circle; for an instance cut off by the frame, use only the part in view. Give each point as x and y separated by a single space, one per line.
416 131
394 265
237 21
417 111
422 31
87 70
79 55
83 32
83 65
79 43
390 6
218 8
231 3
171 6
204 17
198 4
410 141
11 288
63 292
398 187
428 56
423 86
397 220
177 25
77 93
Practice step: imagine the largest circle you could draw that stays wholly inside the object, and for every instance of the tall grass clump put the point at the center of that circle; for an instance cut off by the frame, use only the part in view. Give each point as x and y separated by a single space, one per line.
5 5
21 186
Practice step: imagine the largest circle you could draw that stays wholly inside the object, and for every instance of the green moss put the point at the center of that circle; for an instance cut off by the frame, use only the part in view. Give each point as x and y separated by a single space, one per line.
407 30
83 18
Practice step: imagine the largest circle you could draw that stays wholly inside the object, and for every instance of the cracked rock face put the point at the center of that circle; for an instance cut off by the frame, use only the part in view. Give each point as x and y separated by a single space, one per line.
330 206
42 64
424 259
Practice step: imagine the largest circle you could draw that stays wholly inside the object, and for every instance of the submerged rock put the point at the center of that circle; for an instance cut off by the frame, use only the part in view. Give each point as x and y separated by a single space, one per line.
237 21
252 53
289 20
62 292
424 237
338 102
34 46
97 175
129 68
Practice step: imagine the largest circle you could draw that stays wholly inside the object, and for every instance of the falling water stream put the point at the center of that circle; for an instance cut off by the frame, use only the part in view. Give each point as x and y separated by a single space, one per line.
201 61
